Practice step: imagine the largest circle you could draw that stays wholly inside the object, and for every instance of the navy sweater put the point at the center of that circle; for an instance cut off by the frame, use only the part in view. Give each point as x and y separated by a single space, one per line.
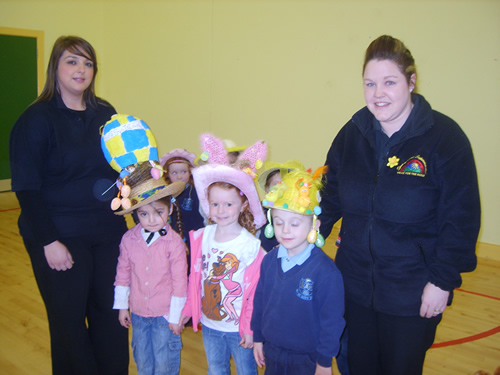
300 310
413 220
190 212
60 174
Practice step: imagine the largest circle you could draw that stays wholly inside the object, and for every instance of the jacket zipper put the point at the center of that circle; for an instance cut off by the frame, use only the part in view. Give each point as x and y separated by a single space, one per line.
370 227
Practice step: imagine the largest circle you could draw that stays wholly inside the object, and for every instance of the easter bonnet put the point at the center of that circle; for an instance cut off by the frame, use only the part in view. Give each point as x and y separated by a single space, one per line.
231 146
298 192
178 155
130 148
241 175
284 168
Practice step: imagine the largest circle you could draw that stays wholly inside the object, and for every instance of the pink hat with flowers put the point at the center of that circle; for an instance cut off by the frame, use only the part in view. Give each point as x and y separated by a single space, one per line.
241 174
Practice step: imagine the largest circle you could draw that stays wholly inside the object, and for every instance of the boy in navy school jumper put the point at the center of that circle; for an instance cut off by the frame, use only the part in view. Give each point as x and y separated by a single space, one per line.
269 176
299 302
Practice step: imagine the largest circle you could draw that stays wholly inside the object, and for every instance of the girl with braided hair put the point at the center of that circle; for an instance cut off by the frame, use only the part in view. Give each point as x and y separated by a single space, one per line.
186 216
151 276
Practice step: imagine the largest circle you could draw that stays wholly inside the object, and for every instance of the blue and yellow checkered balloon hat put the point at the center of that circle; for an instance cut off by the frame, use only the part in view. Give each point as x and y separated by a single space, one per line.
127 142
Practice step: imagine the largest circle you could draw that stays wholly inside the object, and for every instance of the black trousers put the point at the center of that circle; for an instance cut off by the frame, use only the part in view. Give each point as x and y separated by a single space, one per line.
383 344
280 361
86 336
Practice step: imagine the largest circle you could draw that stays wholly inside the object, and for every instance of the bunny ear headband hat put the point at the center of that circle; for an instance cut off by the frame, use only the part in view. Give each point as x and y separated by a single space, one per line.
129 146
298 192
218 170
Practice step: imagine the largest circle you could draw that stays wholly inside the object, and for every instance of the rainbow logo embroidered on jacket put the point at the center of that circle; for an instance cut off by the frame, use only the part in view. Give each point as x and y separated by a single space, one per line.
414 166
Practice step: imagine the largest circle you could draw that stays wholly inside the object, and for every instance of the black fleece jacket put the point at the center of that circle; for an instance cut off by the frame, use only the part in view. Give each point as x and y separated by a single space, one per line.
413 220
59 172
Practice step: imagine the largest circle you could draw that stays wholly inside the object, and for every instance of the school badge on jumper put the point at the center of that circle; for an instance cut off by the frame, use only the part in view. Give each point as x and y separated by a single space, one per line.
414 166
187 204
305 289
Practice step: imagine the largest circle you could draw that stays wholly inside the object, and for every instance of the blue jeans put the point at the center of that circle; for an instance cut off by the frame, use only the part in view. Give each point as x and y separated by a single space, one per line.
157 351
219 346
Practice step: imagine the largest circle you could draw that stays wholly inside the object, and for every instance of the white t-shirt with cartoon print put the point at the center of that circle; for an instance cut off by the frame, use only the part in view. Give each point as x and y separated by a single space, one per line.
222 275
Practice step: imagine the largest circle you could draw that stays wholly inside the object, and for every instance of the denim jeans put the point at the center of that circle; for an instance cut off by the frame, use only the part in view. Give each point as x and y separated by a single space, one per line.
157 351
219 346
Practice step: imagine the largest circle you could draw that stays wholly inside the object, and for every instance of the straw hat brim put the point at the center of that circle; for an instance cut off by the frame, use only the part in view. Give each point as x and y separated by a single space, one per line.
173 189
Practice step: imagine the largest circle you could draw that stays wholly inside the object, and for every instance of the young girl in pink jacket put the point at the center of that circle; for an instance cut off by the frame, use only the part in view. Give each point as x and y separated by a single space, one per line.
151 276
226 256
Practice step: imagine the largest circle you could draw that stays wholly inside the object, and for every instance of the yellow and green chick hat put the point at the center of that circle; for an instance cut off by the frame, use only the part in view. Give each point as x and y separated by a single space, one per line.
298 192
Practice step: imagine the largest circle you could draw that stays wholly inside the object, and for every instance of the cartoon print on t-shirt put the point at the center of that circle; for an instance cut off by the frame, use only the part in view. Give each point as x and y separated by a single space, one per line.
234 289
210 302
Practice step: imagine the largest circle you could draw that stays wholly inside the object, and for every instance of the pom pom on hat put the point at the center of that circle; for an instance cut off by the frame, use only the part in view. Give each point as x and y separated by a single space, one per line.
143 190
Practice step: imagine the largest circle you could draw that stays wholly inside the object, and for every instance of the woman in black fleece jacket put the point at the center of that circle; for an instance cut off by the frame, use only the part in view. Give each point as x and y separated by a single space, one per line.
402 177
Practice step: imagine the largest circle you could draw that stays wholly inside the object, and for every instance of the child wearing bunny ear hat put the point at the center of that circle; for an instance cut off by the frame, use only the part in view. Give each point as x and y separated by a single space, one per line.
225 255
299 302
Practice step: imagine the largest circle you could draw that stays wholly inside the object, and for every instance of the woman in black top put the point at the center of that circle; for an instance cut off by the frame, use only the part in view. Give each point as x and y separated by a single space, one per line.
403 179
60 177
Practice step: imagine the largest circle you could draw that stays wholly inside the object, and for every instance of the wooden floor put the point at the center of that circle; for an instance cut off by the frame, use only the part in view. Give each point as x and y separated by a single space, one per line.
467 340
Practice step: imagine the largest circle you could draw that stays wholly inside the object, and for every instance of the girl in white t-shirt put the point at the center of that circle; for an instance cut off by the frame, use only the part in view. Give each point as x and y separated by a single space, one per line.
226 257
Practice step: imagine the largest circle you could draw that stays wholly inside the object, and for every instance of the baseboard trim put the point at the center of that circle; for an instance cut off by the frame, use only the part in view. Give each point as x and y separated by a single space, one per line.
4 185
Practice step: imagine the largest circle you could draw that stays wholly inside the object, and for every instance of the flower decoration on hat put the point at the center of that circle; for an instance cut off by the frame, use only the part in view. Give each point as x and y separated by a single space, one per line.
298 192
127 142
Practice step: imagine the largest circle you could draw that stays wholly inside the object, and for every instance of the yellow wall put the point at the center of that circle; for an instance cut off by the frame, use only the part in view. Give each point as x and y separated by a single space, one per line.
288 71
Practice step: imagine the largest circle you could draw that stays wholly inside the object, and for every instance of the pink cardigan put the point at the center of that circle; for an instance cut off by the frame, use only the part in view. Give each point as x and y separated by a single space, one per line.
192 307
154 274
